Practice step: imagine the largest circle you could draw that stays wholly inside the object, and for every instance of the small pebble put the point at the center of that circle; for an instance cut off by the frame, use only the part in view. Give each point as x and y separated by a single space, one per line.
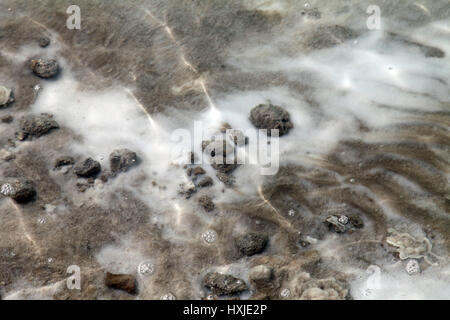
412 267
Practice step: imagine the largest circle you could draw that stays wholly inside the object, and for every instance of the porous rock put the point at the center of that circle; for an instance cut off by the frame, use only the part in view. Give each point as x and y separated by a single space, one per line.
45 68
124 282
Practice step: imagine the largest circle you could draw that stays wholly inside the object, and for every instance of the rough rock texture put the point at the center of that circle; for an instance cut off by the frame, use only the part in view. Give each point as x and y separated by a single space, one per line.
261 275
19 189
252 243
64 161
44 42
224 284
36 125
87 168
238 137
268 116
227 179
205 182
300 278
121 160
45 68
123 282
7 119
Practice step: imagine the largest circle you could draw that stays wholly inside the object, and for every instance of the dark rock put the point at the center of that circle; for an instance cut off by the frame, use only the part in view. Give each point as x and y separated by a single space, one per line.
205 182
45 68
82 186
7 119
6 96
19 189
44 42
88 168
224 168
268 116
238 137
252 243
206 202
187 189
223 284
121 160
105 176
336 224
356 221
125 282
37 125
224 127
63 161
328 36
261 275
433 52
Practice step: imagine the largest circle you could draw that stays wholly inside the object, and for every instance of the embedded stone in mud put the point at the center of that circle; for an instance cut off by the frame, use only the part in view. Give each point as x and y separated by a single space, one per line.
328 36
412 267
198 171
268 116
63 161
227 179
261 275
37 125
45 68
88 168
19 189
6 96
187 189
342 223
124 282
205 182
44 42
7 119
121 160
224 284
252 243
206 202
238 137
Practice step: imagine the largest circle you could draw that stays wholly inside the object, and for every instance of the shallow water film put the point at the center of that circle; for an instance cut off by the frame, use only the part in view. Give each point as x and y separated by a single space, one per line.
118 118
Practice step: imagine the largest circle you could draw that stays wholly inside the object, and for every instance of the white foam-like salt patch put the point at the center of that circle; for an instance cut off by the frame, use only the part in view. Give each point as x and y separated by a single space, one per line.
395 284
